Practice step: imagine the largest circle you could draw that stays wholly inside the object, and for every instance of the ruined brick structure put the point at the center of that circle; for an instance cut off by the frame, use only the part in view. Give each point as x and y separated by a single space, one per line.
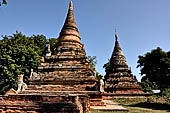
63 82
22 103
67 69
119 78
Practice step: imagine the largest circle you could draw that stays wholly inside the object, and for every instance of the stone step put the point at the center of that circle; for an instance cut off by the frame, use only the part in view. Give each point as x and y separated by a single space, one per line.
57 107
98 99
97 104
110 106
39 92
56 88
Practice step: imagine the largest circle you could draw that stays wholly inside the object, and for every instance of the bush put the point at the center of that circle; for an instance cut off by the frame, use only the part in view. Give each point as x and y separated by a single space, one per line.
166 92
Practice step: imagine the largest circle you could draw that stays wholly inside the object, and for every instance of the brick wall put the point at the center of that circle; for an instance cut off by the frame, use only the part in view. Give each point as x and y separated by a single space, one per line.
44 104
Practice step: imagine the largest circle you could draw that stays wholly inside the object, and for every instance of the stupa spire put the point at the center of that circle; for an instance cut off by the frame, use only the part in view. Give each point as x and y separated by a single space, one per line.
116 36
118 59
70 31
119 78
71 5
117 46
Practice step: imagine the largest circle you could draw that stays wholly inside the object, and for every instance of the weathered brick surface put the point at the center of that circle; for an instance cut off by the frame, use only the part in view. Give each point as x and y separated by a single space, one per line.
96 99
119 78
63 79
44 103
68 65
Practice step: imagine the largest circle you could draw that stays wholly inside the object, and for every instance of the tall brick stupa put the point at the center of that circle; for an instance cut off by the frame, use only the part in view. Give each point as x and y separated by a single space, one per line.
63 82
119 78
67 69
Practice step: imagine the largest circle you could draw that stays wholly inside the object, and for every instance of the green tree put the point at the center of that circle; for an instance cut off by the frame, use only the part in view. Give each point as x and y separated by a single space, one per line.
147 85
3 2
18 54
40 41
53 42
155 67
92 61
106 66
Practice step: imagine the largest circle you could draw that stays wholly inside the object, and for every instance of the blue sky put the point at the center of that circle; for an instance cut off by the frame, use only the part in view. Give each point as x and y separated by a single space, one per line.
142 25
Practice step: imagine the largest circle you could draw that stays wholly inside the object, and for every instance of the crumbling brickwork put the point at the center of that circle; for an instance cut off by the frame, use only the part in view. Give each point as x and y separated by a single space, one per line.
68 67
119 78
44 104
62 81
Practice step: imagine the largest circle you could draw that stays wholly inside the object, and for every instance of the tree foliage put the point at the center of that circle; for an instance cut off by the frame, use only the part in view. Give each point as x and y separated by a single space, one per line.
53 42
147 85
92 61
41 42
18 54
3 2
155 67
166 92
106 66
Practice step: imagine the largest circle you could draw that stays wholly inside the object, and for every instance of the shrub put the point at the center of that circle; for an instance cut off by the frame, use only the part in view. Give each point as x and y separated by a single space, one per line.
166 92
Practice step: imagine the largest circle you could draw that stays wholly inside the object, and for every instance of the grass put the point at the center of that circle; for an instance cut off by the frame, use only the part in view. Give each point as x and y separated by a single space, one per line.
138 105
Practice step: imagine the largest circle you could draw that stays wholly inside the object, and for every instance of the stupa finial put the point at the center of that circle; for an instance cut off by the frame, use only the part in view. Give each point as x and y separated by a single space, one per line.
116 36
71 5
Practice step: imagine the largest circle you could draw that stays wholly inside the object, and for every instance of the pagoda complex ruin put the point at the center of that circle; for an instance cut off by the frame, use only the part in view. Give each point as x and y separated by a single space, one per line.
63 82
119 78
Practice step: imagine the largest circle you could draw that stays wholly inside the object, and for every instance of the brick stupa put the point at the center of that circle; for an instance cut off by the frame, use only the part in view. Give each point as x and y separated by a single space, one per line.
119 78
62 82
67 69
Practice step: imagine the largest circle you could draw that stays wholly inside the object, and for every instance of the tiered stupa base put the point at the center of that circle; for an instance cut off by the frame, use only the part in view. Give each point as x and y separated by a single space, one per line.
31 103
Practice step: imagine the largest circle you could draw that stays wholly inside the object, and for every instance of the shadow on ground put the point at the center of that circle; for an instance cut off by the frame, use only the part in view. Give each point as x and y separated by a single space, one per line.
154 106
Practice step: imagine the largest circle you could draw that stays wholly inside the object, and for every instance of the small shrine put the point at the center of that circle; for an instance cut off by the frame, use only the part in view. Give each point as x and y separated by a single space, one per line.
119 78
